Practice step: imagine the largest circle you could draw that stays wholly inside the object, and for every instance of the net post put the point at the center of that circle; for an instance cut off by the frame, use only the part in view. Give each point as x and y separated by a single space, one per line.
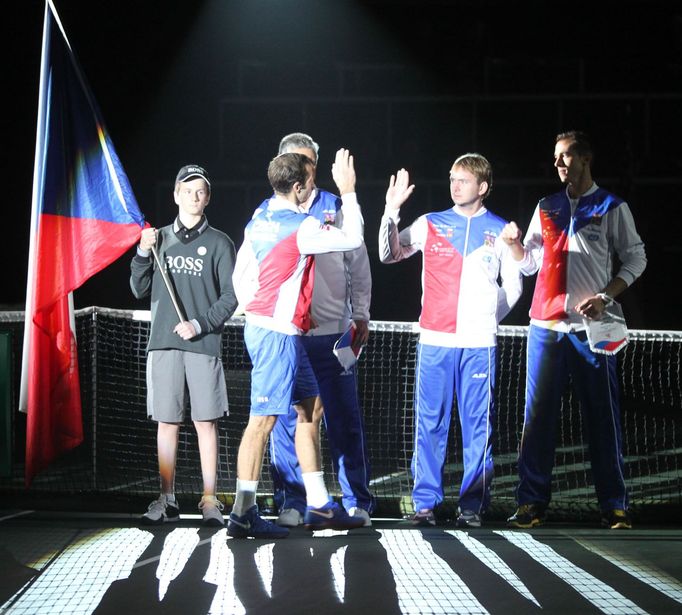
93 377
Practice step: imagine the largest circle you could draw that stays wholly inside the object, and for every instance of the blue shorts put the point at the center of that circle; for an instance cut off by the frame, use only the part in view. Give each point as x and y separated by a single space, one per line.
281 373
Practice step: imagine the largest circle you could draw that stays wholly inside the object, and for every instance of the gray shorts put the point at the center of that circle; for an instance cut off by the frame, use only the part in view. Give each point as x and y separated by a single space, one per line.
173 374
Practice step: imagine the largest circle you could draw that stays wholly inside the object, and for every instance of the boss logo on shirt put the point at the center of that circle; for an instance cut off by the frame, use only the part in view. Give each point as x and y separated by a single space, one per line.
185 264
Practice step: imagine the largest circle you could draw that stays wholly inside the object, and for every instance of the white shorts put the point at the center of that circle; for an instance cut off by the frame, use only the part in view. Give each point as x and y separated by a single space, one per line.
175 375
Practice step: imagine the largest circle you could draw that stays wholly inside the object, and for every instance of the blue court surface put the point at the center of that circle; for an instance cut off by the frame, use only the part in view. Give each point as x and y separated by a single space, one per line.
76 563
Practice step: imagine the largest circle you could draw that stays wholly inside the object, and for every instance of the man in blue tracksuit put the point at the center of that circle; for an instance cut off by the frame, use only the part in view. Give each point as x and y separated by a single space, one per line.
462 303
571 242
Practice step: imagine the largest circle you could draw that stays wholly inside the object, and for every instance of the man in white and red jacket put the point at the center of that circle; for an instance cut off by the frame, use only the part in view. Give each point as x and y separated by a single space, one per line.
341 298
462 304
273 280
571 242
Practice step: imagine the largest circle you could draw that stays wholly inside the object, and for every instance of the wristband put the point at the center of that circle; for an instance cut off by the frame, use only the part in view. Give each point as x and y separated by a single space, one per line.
606 299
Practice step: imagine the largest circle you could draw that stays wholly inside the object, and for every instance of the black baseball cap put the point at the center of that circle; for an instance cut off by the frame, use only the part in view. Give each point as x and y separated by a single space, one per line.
190 171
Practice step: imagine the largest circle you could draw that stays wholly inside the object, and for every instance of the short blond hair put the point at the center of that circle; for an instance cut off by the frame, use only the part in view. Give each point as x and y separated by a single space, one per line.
479 167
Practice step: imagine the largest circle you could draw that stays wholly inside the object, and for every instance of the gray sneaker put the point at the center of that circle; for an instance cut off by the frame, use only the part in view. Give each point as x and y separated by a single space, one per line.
210 507
289 517
468 518
162 510
361 513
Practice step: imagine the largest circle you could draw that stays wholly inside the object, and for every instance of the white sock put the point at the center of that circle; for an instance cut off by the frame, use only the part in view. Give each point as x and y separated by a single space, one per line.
315 490
170 497
246 496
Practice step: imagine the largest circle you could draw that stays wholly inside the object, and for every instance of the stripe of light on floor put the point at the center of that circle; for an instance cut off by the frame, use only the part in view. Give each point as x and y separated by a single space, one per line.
651 575
601 595
493 561
430 587
77 579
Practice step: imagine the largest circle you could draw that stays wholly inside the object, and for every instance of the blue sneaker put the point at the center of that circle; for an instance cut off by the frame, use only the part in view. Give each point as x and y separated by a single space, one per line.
331 516
251 524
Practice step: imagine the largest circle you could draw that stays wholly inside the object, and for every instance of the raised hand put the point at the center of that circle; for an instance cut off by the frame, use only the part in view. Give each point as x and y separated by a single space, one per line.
343 172
399 189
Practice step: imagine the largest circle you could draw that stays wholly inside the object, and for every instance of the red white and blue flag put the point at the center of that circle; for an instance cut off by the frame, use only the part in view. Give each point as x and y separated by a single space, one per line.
84 216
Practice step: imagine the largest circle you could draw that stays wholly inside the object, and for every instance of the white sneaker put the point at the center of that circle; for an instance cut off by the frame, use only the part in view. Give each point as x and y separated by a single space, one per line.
289 517
210 507
361 513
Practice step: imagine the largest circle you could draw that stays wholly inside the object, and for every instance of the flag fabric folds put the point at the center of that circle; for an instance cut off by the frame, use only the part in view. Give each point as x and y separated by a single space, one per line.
84 216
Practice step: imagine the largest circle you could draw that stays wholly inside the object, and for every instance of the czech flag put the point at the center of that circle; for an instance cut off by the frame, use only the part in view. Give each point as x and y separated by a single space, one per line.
84 216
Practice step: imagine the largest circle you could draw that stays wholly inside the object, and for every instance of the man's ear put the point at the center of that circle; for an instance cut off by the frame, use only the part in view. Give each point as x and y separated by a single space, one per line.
482 188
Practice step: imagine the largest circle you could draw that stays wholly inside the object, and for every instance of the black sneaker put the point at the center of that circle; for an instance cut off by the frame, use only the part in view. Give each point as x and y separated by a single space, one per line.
331 516
162 510
252 525
468 518
527 516
424 518
616 520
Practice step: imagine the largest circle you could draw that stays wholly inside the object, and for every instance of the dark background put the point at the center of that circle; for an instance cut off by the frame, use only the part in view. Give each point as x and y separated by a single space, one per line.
401 84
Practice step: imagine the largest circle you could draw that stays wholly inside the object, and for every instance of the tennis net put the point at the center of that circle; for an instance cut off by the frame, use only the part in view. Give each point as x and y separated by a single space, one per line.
117 460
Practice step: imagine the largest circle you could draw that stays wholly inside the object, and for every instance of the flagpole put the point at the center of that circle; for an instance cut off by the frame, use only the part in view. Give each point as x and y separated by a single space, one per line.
169 286
35 199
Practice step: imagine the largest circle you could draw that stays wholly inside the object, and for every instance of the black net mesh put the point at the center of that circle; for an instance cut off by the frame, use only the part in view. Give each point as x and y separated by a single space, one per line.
118 455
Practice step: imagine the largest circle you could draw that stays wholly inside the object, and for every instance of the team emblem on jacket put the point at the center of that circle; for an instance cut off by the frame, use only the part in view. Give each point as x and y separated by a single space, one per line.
489 239
329 218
